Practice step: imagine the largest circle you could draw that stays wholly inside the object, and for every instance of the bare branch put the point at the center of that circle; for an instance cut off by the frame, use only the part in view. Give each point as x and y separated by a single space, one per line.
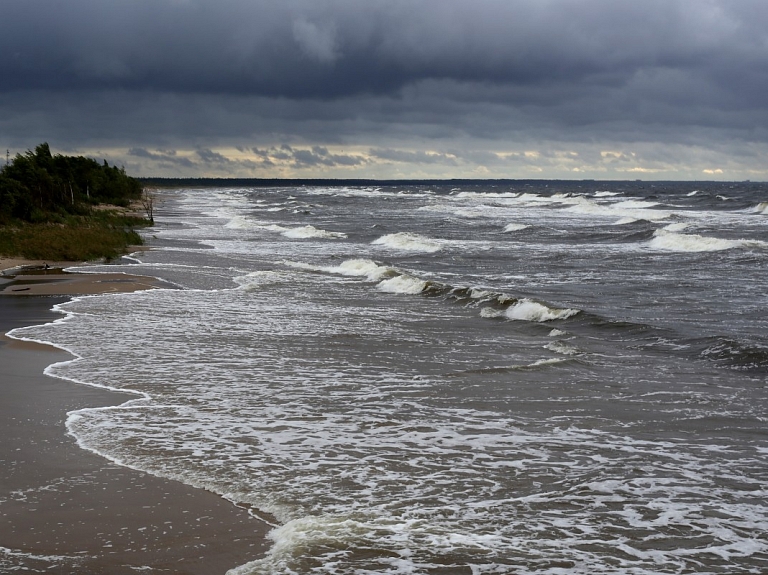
148 197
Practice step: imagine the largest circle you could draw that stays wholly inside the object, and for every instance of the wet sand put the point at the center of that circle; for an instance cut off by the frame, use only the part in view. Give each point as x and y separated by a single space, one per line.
24 278
65 510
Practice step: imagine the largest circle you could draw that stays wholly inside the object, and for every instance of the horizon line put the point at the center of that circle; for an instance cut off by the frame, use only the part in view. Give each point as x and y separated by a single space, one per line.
412 181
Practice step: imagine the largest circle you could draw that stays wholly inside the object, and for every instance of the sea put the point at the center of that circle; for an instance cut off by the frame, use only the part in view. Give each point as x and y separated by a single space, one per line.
497 378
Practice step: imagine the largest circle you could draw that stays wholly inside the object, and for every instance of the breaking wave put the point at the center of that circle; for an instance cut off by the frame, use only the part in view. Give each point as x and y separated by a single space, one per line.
677 227
303 232
403 284
563 348
392 280
240 223
515 227
368 269
245 223
629 209
529 310
258 280
670 241
306 232
407 241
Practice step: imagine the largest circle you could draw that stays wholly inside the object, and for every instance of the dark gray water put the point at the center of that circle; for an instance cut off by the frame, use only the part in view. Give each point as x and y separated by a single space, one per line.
551 378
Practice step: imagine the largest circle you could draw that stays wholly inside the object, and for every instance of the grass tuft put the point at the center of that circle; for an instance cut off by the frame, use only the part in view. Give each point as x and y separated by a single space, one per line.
102 236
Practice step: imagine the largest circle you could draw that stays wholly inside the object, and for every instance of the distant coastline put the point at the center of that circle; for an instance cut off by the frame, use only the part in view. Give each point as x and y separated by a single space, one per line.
333 182
340 182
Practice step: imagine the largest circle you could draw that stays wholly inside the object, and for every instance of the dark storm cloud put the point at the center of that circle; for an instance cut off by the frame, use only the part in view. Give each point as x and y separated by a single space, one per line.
209 159
315 156
304 49
425 83
167 157
212 157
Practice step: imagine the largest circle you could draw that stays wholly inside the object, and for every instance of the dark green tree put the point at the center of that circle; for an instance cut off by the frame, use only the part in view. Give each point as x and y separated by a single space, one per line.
37 185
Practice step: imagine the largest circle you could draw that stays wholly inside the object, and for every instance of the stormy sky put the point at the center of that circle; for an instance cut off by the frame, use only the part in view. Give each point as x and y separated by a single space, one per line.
607 89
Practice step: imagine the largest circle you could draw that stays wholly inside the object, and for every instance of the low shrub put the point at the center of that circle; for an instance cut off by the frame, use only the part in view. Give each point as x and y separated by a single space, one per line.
67 242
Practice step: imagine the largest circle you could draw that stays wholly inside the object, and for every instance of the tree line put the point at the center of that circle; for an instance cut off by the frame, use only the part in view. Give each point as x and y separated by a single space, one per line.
38 186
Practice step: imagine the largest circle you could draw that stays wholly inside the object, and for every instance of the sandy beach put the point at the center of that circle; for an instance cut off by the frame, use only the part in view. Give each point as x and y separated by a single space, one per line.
37 278
66 510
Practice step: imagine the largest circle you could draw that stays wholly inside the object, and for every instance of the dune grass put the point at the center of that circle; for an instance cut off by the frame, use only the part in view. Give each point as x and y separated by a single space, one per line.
99 236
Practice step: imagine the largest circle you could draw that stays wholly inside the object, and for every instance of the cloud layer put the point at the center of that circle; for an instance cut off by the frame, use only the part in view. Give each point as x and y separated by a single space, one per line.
494 88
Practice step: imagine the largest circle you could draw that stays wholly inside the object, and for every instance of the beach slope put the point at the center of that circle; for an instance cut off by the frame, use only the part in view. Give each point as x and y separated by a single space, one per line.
66 510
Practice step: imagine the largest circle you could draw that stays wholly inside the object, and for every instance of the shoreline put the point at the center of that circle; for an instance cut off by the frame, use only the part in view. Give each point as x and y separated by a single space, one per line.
19 277
64 509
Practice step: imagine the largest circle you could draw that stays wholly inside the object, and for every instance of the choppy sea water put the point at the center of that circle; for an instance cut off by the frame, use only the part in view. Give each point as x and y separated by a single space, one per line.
546 378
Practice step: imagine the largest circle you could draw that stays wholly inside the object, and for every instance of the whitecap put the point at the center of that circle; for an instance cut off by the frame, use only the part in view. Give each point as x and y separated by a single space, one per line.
515 227
634 205
606 194
624 221
243 223
762 208
354 267
402 284
491 195
407 241
638 210
363 267
259 279
308 231
670 241
550 361
239 223
477 293
529 310
678 227
562 348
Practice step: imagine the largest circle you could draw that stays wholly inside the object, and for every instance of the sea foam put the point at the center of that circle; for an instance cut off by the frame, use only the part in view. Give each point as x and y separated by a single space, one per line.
515 227
373 460
306 232
529 310
677 227
406 241
634 209
240 223
360 267
257 280
403 284
671 241
562 348
363 267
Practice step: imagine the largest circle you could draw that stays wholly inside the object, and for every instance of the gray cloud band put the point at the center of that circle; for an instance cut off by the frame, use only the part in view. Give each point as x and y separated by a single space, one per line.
167 73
